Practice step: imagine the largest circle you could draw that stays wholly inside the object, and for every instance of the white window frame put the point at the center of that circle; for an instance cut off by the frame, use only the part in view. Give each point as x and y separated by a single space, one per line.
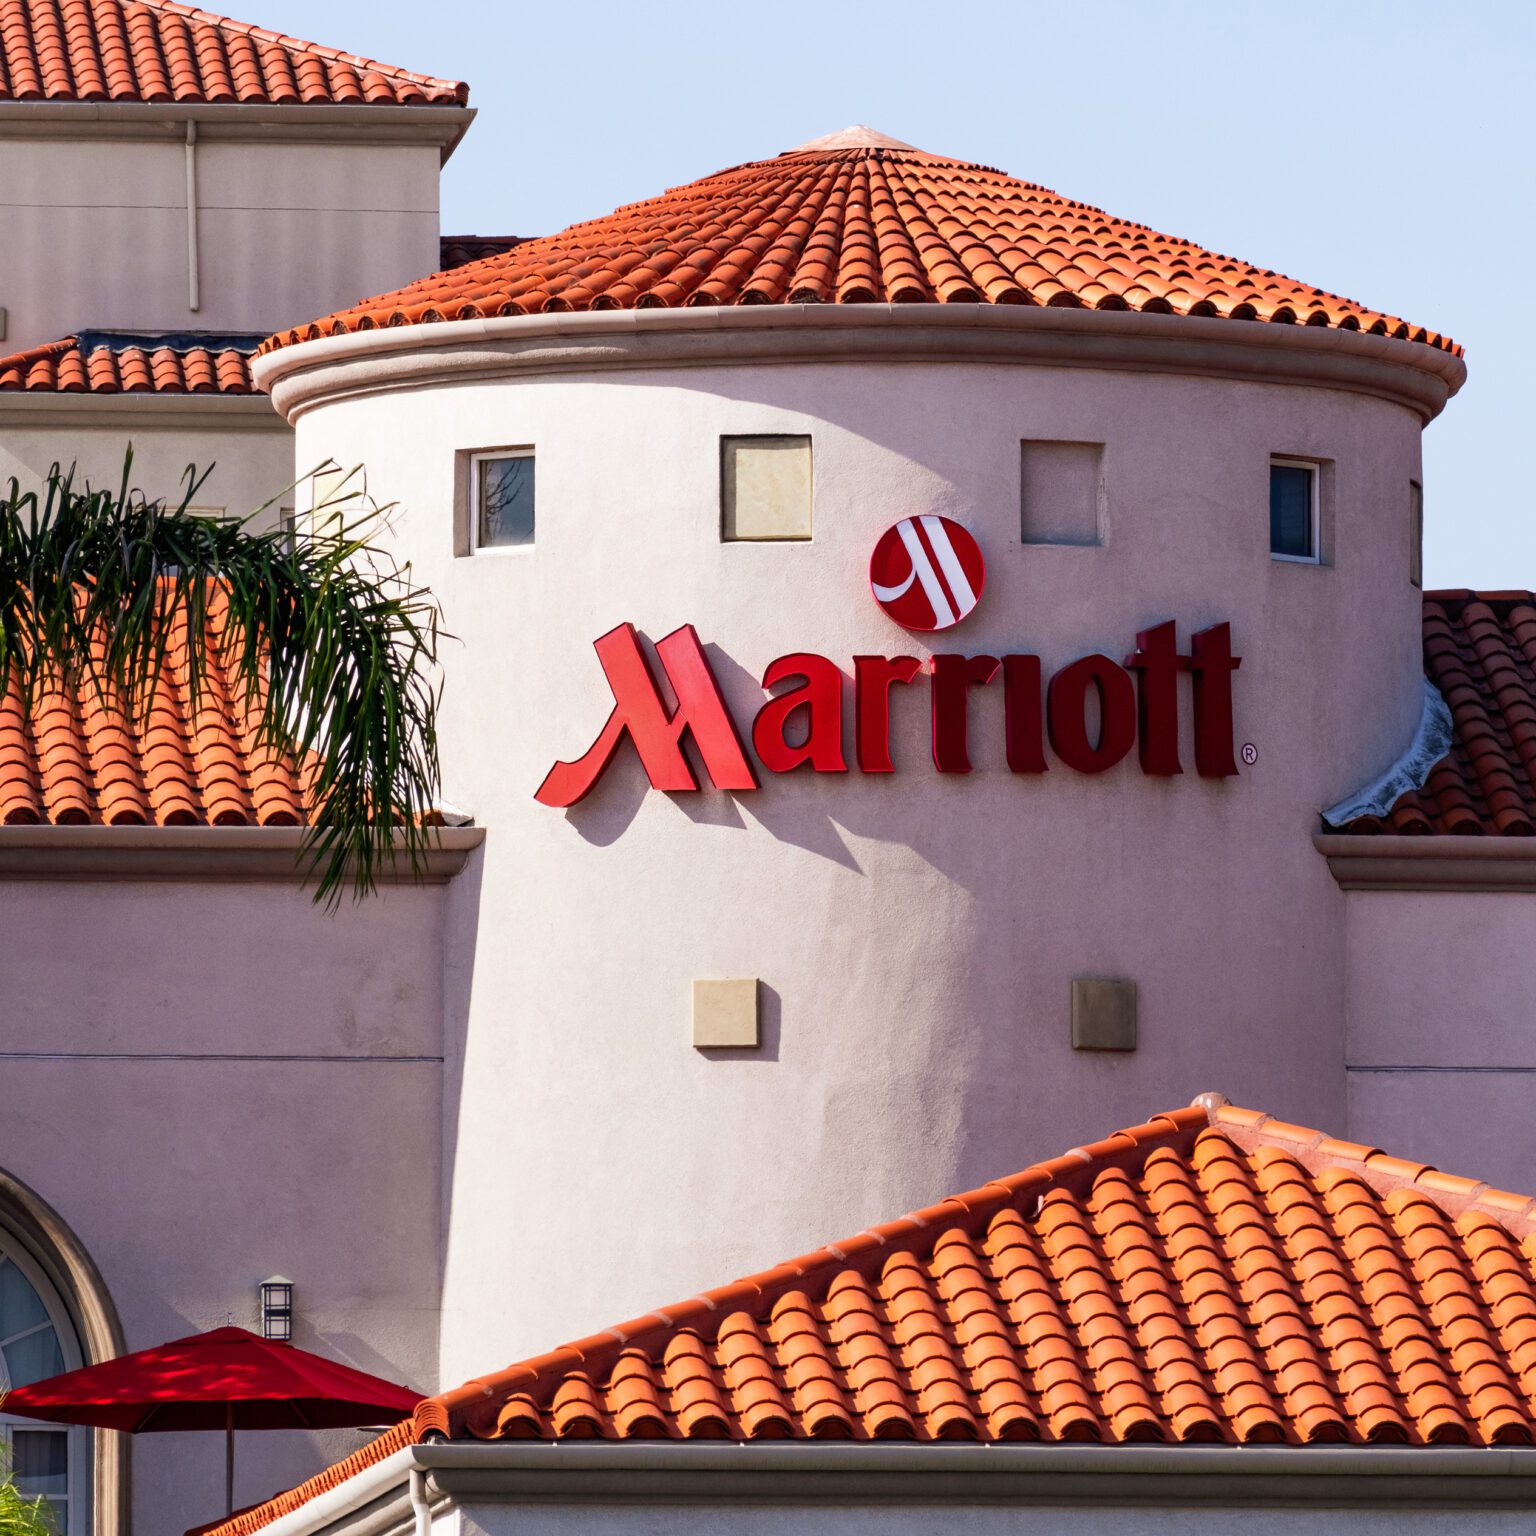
77 1492
486 456
1315 469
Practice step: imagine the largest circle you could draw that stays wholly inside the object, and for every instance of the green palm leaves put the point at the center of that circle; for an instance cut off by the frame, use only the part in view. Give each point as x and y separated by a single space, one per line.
331 645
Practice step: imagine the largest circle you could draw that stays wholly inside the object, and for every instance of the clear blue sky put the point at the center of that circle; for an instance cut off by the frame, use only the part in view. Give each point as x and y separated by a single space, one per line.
1384 151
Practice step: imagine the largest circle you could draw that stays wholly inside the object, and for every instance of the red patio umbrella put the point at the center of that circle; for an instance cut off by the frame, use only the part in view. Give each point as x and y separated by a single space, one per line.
226 1379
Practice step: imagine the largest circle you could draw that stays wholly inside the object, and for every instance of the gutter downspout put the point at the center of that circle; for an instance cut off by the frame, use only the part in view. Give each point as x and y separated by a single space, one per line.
194 296
419 1509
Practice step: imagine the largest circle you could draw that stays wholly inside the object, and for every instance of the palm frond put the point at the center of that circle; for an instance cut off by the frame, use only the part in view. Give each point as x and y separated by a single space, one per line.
331 645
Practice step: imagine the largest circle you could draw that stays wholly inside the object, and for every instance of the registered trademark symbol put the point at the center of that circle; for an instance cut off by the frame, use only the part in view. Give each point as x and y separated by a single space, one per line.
1250 753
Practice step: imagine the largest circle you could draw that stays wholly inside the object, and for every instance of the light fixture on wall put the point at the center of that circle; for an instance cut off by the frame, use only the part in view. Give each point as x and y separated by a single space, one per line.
277 1309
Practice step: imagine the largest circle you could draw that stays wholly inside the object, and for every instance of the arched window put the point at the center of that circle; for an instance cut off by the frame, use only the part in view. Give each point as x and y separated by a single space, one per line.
56 1314
37 1339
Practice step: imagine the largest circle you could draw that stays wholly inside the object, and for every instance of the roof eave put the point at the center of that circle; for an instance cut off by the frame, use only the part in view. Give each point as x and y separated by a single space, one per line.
441 124
434 1477
1428 862
201 853
1414 374
144 410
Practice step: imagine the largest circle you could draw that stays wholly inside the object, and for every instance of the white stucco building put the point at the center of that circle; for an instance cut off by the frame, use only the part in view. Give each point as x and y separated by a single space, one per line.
1201 790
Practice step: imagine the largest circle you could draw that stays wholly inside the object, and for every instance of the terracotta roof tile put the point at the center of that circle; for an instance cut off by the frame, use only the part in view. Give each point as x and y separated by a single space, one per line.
1211 1276
110 363
76 757
158 50
1480 652
859 219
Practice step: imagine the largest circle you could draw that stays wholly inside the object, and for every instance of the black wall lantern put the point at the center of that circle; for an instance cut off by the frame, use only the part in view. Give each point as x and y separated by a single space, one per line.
277 1309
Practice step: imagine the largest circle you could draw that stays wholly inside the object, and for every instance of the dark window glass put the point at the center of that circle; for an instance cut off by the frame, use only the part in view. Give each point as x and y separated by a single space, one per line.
1290 511
506 501
40 1459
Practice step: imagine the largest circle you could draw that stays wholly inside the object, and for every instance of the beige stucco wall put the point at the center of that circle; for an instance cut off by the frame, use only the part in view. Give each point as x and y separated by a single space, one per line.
916 935
1442 1029
248 445
212 1083
96 228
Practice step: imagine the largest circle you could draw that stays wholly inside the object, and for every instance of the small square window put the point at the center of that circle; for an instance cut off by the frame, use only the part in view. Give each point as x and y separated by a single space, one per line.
1293 510
1415 533
502 489
765 488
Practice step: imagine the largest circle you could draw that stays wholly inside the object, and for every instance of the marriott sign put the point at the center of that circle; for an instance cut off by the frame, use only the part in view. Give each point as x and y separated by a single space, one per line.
927 574
1137 706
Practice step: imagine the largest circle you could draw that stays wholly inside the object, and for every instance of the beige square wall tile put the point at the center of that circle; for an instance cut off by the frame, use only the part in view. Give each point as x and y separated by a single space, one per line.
765 488
1103 1015
725 1013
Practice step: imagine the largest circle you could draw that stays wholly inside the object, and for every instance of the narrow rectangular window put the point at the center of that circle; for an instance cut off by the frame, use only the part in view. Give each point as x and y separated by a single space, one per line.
1061 493
502 490
765 488
1293 510
1416 533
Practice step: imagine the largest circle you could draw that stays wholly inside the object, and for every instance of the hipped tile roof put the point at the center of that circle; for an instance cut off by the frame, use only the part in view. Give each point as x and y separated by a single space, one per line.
161 51
860 219
1480 652
75 757
112 363
1211 1276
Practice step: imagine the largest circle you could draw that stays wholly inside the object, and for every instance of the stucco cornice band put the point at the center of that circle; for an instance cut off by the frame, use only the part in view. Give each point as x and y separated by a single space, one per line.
264 121
1429 863
270 854
311 373
1379 1477
154 412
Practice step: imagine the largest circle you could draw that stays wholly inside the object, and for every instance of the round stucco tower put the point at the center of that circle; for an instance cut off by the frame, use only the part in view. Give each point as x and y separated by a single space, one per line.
938 332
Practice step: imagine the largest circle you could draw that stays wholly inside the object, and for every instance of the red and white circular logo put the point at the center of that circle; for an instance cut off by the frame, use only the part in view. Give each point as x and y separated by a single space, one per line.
927 572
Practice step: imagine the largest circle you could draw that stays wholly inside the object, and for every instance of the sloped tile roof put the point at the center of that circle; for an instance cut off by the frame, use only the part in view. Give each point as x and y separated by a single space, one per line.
1480 652
459 250
161 51
859 219
112 363
1211 1276
76 758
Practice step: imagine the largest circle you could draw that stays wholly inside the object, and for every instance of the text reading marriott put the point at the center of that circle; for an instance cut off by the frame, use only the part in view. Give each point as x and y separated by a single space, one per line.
1137 705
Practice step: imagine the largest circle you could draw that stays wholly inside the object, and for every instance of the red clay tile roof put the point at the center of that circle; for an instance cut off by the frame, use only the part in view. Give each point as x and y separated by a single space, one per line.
74 758
859 219
1211 1276
1480 652
112 363
459 250
159 51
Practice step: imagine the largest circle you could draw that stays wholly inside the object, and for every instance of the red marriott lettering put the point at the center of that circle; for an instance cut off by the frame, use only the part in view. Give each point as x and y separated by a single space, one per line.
1137 704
